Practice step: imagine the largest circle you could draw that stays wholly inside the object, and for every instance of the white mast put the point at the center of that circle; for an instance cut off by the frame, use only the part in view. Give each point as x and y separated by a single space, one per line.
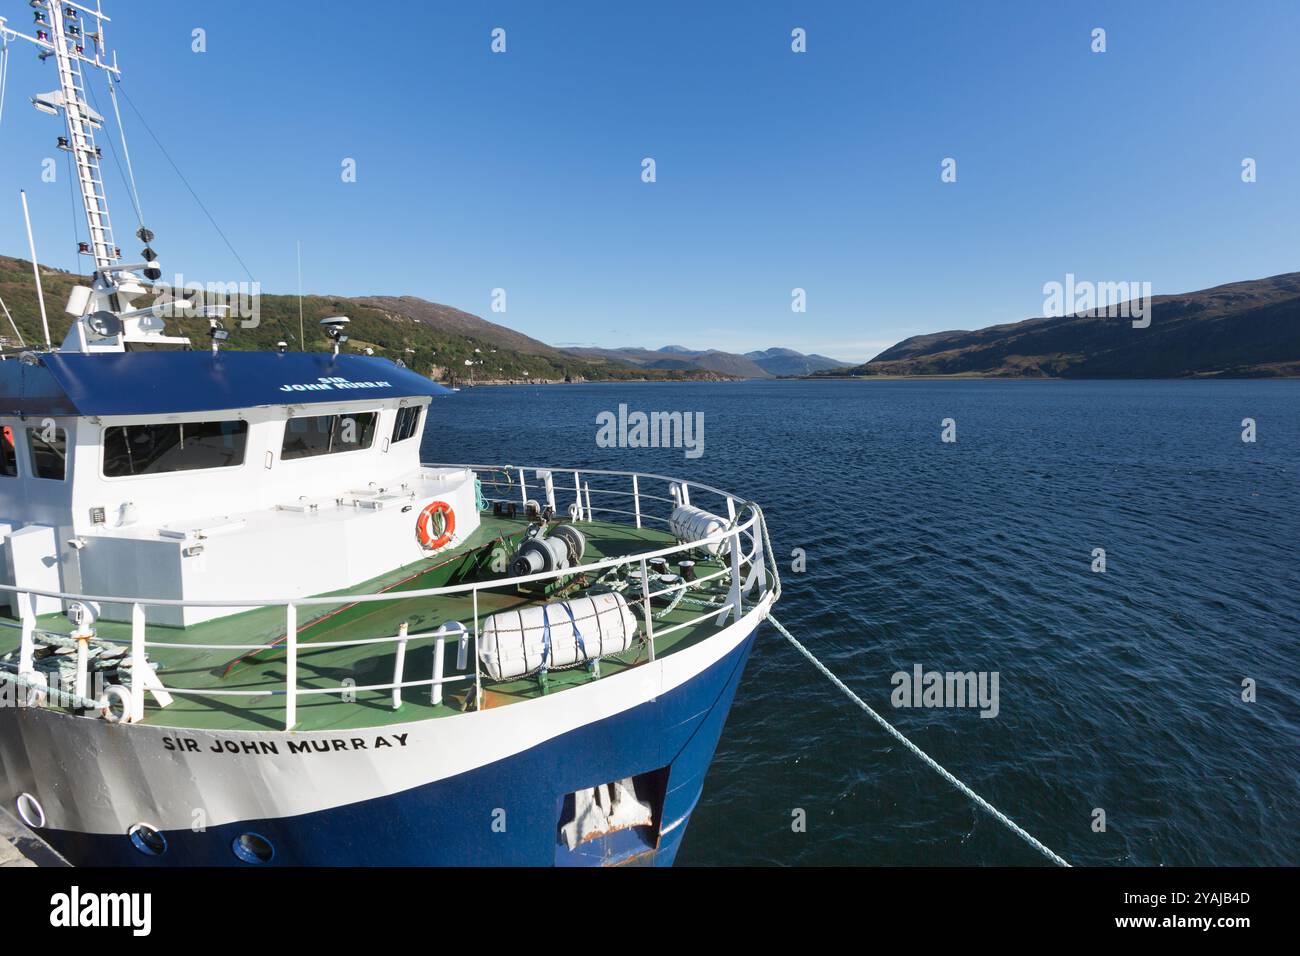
68 39
36 270
73 35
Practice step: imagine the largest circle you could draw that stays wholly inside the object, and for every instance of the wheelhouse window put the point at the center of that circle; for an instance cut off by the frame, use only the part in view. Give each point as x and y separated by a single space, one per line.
327 434
173 446
8 454
49 452
407 424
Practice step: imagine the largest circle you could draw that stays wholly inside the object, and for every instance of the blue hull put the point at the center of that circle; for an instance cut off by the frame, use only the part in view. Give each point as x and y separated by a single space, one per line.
505 813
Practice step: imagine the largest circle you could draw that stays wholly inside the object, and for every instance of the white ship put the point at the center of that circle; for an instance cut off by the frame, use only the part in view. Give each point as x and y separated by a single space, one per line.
241 622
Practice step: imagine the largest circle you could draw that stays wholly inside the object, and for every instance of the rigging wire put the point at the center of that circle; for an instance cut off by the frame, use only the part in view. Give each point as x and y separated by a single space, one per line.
72 205
126 152
176 169
4 72
10 317
129 182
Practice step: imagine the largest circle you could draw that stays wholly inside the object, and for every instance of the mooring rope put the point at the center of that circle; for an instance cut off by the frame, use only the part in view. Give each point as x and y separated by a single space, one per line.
926 758
72 699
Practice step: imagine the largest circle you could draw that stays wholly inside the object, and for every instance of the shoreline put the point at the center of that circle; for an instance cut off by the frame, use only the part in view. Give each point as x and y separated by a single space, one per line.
963 377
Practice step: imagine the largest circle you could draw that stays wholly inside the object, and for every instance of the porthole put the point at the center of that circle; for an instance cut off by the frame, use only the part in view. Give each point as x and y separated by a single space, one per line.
253 848
147 840
29 808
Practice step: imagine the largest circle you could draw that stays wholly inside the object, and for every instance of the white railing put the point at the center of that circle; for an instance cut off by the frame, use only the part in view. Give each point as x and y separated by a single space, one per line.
745 537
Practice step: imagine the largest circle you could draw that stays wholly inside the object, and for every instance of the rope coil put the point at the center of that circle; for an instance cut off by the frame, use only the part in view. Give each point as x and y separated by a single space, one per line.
929 761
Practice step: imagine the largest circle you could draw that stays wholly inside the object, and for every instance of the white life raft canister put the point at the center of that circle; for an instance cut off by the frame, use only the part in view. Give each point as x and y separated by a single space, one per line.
560 634
689 523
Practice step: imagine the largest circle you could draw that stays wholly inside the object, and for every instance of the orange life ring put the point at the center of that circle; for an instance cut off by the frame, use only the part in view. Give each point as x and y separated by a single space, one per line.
422 525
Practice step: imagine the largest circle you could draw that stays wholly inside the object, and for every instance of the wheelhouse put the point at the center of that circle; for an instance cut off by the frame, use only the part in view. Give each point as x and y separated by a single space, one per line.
187 475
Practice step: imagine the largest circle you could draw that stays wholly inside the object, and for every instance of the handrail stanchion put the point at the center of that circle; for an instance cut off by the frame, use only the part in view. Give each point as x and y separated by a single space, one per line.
478 680
399 664
291 666
734 598
548 486
27 649
577 492
523 490
462 646
636 499
138 664
645 607
591 515
758 569
439 660
83 665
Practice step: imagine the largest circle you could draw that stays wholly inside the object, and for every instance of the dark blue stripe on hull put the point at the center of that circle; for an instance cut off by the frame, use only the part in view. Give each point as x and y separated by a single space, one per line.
504 814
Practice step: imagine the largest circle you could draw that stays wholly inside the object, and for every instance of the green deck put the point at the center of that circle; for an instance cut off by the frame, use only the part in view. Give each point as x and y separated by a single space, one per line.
239 670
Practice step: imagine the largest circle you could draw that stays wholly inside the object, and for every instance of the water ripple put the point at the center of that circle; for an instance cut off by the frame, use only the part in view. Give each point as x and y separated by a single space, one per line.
1119 691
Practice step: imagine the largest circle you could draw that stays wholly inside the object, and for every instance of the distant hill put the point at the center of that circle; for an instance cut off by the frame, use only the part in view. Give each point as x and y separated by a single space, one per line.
1244 329
448 320
790 362
762 364
433 339
676 357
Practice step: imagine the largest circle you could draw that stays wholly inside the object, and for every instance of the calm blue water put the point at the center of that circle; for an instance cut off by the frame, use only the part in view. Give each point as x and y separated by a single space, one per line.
1119 691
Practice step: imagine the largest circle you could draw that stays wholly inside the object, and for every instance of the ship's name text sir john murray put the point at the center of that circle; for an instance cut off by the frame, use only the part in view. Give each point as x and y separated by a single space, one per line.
319 745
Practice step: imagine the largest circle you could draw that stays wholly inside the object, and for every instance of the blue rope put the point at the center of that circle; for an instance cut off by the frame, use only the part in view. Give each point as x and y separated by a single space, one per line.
546 637
582 648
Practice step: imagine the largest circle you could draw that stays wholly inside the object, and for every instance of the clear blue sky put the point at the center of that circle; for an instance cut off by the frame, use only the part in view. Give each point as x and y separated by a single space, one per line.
775 170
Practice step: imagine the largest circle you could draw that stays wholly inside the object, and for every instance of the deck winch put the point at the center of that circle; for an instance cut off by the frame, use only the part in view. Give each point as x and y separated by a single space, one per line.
561 548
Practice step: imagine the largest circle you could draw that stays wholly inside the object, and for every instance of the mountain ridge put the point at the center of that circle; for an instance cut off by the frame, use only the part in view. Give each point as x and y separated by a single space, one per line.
781 361
438 340
433 339
761 363
1249 328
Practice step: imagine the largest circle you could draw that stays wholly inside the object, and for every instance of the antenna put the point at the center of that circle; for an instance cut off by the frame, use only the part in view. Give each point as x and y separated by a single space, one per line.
36 269
333 328
301 337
